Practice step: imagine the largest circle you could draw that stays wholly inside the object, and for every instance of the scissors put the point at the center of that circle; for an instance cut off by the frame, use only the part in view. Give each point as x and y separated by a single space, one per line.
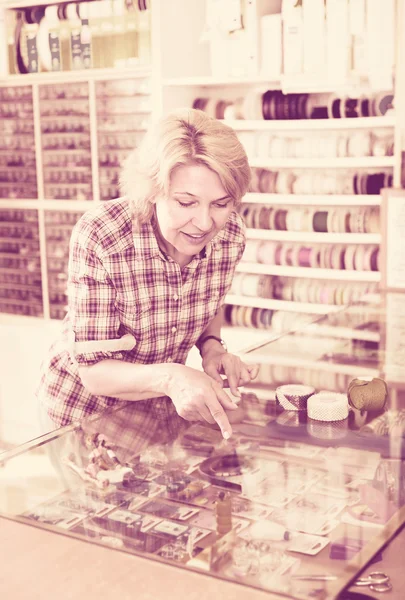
376 581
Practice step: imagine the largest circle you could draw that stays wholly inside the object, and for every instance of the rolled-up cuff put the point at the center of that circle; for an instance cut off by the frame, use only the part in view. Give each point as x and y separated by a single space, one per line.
92 351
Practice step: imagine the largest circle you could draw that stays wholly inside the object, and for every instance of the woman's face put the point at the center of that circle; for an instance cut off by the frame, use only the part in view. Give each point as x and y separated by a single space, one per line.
196 209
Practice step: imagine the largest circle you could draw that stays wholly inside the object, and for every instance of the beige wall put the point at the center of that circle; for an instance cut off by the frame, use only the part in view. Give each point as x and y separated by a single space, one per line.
22 347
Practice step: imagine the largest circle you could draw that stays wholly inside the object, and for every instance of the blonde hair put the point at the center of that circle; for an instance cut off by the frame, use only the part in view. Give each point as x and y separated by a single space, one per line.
186 136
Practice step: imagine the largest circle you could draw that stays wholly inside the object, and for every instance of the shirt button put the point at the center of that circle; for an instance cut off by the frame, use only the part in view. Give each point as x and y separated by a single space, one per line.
170 359
175 297
174 329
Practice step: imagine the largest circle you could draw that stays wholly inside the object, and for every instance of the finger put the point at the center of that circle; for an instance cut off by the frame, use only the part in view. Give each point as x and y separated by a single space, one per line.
205 414
212 371
235 399
233 380
244 376
225 400
219 415
253 370
232 372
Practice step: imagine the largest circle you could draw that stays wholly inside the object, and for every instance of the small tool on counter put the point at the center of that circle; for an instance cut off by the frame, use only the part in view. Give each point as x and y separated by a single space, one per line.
377 581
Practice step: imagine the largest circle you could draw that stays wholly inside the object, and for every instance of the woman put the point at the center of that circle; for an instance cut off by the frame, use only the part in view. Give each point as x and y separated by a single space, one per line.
147 276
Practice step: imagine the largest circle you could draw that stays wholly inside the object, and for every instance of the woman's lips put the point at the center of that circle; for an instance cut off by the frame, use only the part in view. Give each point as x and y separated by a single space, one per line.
195 238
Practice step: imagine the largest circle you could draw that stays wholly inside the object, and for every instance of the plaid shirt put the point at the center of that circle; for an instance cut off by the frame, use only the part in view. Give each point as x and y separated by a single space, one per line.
129 301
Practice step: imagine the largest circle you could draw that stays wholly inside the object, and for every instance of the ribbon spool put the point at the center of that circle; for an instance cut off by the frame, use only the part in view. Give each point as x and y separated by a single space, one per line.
289 419
390 423
367 393
334 430
381 103
294 397
357 418
44 50
21 56
328 406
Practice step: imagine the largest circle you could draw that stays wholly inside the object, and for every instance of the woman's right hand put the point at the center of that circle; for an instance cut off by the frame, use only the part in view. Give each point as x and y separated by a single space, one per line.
197 396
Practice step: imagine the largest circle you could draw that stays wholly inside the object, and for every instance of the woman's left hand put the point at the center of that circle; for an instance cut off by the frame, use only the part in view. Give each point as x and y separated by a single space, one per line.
236 371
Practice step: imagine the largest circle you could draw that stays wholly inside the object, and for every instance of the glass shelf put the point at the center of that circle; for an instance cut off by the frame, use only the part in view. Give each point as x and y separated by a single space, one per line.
142 480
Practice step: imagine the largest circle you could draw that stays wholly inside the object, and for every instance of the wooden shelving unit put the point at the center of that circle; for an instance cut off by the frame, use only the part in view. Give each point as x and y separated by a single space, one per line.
176 76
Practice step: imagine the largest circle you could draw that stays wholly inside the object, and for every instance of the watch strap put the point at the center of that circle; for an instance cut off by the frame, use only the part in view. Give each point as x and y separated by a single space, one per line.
202 341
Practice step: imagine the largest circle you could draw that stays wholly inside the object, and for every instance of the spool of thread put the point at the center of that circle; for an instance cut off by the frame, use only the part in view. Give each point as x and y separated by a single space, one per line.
357 418
328 406
367 393
21 60
382 102
377 426
269 530
390 423
320 221
223 513
44 51
294 396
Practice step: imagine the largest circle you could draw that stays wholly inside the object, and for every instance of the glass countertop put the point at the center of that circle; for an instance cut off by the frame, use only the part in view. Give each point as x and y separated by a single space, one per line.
303 496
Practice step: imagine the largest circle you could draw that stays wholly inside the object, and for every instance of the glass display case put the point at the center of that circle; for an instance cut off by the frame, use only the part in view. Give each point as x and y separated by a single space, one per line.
305 493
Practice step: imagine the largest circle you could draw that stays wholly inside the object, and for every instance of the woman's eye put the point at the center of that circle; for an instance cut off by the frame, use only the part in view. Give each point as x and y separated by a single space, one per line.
222 205
185 204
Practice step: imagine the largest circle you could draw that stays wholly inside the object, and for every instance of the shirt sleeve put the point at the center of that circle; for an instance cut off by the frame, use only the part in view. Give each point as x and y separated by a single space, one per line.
237 229
234 245
93 315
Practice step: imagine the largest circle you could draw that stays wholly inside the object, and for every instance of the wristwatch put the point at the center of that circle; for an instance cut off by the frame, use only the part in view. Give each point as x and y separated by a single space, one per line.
202 341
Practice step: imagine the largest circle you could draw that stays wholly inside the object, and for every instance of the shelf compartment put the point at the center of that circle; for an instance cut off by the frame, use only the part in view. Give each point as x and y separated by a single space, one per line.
347 162
209 81
346 333
74 76
311 124
306 307
313 273
312 199
289 84
313 236
311 364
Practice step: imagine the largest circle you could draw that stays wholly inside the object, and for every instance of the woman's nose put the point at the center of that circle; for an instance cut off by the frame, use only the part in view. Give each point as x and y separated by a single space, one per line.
203 220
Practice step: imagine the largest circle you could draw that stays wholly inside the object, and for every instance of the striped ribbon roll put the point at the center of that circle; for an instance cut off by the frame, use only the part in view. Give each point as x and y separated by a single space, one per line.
294 396
328 406
289 419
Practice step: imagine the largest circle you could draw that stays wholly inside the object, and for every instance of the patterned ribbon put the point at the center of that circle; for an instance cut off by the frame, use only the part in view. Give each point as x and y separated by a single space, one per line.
328 406
294 397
